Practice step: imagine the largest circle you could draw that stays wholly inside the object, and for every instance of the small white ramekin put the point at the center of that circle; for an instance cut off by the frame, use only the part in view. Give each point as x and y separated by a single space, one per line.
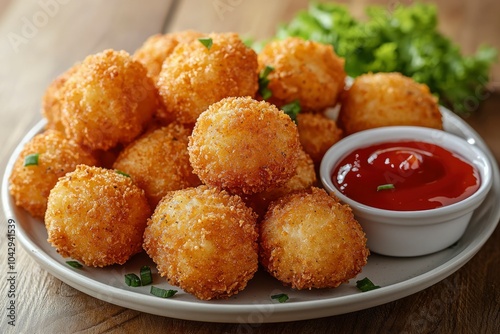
410 233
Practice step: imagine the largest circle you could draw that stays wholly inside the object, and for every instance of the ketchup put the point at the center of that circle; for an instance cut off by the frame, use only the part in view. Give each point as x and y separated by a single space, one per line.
405 176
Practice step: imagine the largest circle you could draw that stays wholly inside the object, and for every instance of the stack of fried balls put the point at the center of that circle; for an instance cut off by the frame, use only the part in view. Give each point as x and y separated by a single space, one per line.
185 150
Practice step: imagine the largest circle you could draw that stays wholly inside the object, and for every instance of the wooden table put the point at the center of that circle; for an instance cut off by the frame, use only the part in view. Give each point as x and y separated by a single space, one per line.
57 33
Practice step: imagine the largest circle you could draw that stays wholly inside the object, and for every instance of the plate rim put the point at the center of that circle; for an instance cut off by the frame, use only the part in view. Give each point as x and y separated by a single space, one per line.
264 313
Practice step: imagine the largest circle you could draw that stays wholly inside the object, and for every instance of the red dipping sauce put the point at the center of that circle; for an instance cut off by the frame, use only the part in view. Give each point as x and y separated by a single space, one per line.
405 176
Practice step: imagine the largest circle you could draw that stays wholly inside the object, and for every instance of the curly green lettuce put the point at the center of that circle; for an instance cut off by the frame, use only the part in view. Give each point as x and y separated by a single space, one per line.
403 39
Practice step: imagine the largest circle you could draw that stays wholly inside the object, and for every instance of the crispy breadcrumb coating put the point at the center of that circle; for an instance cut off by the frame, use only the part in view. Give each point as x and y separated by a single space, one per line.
108 100
96 216
30 185
309 240
157 48
52 99
194 76
385 99
159 162
317 134
304 177
244 146
307 71
204 241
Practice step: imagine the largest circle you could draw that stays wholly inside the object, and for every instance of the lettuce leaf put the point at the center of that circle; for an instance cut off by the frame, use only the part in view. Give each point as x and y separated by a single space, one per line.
402 39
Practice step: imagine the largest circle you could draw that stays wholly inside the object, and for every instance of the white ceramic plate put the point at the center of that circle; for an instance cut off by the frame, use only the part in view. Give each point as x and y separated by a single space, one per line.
398 277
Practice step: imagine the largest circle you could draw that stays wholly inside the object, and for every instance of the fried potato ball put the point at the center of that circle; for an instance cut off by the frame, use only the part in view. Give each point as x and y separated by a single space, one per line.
204 241
108 100
158 47
159 162
244 145
307 71
52 99
385 99
304 177
96 216
309 240
317 134
195 76
30 185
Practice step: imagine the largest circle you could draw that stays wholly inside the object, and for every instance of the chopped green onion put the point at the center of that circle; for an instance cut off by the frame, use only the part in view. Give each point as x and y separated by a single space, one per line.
266 71
31 160
208 42
366 285
162 293
292 109
132 280
385 187
122 173
146 277
74 264
264 91
281 297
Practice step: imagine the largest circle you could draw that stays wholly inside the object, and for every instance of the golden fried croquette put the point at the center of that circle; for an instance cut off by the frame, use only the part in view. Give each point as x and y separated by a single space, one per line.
159 162
385 99
244 145
317 134
195 76
307 71
30 185
158 47
304 177
309 240
108 100
96 216
204 241
52 99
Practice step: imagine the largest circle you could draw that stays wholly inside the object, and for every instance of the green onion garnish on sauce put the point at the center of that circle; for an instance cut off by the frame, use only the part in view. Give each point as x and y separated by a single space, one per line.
132 280
292 109
366 285
208 42
264 91
281 297
31 160
162 293
146 277
385 186
74 264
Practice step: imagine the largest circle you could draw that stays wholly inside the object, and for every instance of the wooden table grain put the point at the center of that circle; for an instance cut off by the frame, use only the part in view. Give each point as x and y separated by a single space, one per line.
40 39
